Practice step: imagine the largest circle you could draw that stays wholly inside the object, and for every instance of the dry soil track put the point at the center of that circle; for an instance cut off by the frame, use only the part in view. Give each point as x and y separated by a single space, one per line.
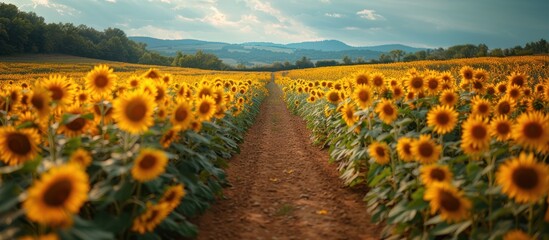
284 188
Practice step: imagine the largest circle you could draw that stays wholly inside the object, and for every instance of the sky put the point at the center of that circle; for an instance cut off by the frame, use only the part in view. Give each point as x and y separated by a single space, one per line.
418 23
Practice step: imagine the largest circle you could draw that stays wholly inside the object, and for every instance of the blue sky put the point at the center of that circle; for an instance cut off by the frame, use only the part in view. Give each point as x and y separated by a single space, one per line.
421 23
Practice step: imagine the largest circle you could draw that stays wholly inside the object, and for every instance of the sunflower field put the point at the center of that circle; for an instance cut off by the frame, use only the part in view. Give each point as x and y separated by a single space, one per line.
102 154
447 149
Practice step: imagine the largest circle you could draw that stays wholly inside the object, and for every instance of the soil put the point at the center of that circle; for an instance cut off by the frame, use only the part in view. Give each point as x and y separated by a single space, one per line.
284 188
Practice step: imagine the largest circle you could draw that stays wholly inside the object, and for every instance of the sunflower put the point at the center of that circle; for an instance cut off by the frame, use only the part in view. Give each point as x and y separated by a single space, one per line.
181 115
467 73
18 146
514 92
425 150
398 92
348 114
49 236
100 80
404 149
501 88
161 92
40 101
167 78
415 83
149 164
517 235
480 107
451 203
152 73
378 81
433 85
196 124
134 112
442 118
500 128
387 111
517 79
523 178
219 96
431 174
362 79
107 114
81 157
475 132
333 96
205 108
204 90
77 125
504 106
60 88
154 215
448 98
532 131
363 96
380 152
173 195
168 137
59 193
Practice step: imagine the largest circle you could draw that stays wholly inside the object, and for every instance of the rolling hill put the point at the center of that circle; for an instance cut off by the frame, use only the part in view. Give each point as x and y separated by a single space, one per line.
259 53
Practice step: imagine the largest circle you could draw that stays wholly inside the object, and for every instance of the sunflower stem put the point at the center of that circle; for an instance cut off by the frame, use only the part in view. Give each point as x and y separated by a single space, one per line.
491 162
531 219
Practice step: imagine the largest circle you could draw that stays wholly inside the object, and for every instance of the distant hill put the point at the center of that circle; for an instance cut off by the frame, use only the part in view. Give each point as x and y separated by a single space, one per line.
252 53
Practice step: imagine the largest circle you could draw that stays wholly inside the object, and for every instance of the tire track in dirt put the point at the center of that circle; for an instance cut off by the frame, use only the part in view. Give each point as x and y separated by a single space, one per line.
284 188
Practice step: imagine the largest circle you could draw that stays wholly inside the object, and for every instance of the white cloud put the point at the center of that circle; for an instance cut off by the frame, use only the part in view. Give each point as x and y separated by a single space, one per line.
351 28
326 1
157 32
60 8
111 1
369 14
333 15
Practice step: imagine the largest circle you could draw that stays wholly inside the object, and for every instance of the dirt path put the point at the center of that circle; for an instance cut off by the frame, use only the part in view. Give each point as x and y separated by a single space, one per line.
284 188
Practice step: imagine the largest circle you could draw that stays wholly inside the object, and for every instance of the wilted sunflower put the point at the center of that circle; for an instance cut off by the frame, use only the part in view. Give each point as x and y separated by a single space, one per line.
404 149
18 146
173 195
59 193
380 152
442 118
134 112
348 114
532 131
475 132
81 157
517 235
480 107
425 150
363 96
448 98
40 102
76 125
60 88
333 96
100 80
450 202
431 174
181 115
168 137
149 164
153 215
205 108
500 128
387 111
523 178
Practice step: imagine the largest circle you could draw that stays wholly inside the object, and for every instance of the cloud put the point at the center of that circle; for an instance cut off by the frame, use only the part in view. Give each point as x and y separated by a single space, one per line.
60 8
369 14
156 32
333 15
351 28
111 1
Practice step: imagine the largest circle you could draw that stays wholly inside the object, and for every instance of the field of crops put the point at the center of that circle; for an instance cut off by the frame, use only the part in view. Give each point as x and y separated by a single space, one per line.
447 149
116 151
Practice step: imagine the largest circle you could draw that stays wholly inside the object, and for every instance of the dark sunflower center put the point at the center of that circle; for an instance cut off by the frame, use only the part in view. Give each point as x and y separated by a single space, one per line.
533 130
334 97
136 110
388 109
181 114
525 178
477 85
504 108
514 93
519 81
205 92
433 84
19 143
153 215
502 88
364 95
170 197
58 193
148 162
417 82
159 94
14 95
426 149
503 128
380 152
82 97
468 75
204 107
153 75
362 79
134 83
438 174
449 202
397 91
442 118
407 149
101 81
479 132
449 98
483 108
349 113
37 102
56 93
76 124
378 82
